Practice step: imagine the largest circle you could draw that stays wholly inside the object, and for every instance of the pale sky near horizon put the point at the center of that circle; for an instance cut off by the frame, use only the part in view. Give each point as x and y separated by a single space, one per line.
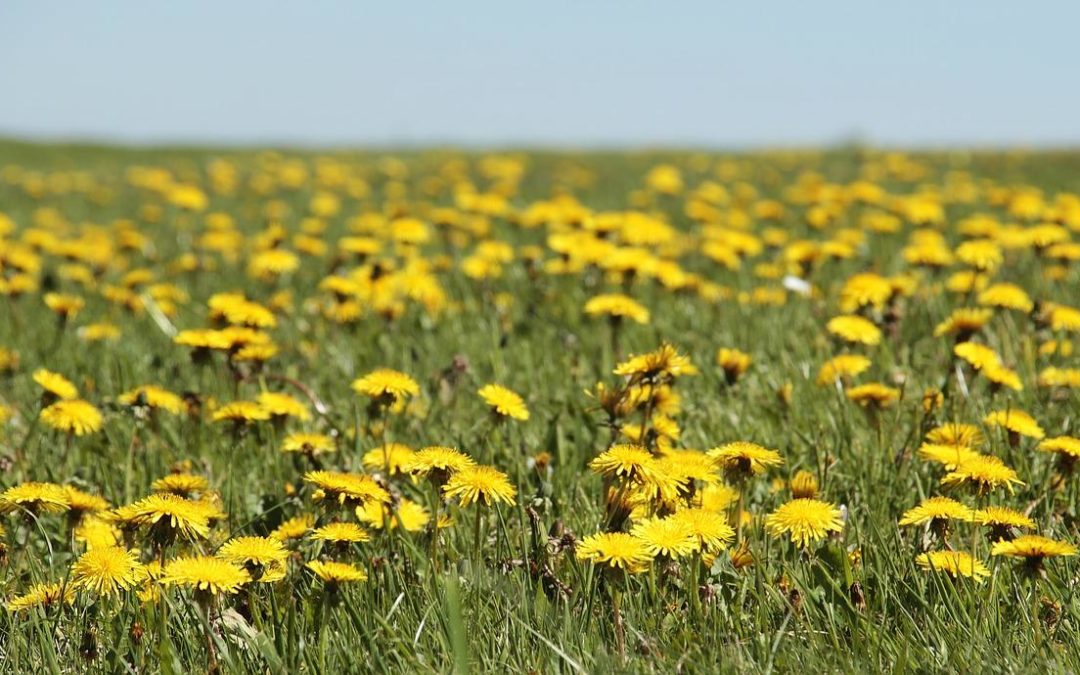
561 73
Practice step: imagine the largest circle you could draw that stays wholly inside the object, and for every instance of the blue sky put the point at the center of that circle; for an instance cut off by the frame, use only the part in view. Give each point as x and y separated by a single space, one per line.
951 72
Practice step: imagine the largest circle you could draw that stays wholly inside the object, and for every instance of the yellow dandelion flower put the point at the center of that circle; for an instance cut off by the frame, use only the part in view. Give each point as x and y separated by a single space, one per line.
333 573
854 329
804 521
957 434
664 363
438 461
937 509
949 456
616 550
96 532
1062 445
873 395
631 462
734 363
617 306
742 458
308 444
347 489
1007 296
205 574
73 416
710 528
165 516
181 484
153 396
107 570
340 533
982 473
804 485
386 384
263 557
293 528
42 595
480 483
35 497
1000 519
842 367
55 384
963 323
1033 548
282 405
953 563
407 514
504 402
241 412
1016 422
665 537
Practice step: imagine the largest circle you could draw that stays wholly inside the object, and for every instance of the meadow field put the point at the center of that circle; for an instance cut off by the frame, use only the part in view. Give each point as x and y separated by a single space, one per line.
289 411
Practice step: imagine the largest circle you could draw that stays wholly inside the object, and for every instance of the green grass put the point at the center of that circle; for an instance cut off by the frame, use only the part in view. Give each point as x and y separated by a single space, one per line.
496 616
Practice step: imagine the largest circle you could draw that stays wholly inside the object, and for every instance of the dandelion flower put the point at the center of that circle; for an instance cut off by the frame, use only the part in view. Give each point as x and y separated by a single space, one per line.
982 473
741 458
709 528
1001 520
263 557
842 367
107 570
42 595
153 396
205 574
616 550
804 485
957 434
347 489
308 444
166 516
439 462
480 483
734 363
73 416
407 514
1007 296
1032 550
181 484
1016 422
963 323
617 306
938 509
804 521
341 533
854 329
293 528
631 462
35 497
55 384
949 456
873 395
241 412
282 405
953 563
386 384
390 457
334 573
665 537
1066 446
504 402
662 364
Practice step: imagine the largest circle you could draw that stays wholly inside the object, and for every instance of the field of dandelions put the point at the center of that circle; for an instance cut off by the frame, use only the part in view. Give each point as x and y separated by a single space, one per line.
529 412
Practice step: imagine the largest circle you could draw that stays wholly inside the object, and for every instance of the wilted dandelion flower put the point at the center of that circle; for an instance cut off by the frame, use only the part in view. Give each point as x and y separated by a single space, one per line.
341 533
953 563
480 483
616 550
504 402
107 570
804 521
263 557
35 498
73 416
55 384
742 459
982 473
617 306
842 367
854 329
42 595
334 573
387 386
205 574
